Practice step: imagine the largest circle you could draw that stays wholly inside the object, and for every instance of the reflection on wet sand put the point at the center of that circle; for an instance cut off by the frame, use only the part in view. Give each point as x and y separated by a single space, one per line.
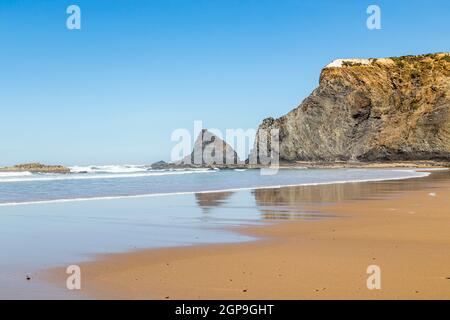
295 202
207 201
301 202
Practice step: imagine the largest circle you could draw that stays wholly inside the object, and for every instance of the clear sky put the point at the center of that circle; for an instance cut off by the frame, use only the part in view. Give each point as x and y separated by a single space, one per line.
114 91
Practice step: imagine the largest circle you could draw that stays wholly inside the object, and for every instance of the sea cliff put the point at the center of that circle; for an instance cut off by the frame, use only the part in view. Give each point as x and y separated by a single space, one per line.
390 109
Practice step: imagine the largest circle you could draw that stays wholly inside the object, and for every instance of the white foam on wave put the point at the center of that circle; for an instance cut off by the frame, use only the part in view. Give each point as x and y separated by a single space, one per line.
62 177
416 174
15 174
109 169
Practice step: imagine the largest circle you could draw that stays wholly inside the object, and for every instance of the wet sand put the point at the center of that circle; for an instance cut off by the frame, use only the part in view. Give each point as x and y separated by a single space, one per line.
401 226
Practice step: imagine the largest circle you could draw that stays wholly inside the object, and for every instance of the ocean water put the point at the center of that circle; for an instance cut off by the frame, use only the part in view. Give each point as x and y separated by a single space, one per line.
108 182
49 220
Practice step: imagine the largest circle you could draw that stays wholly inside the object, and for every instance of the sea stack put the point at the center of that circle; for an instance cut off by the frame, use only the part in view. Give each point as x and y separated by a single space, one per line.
209 149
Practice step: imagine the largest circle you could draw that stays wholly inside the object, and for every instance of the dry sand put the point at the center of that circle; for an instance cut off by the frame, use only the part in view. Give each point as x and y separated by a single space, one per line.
406 235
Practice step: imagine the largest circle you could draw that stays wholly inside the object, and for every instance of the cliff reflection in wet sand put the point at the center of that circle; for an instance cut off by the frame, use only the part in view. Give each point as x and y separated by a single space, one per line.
297 202
207 201
302 202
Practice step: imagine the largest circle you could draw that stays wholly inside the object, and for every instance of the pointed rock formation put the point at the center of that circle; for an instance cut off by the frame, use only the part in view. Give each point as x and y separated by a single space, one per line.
209 149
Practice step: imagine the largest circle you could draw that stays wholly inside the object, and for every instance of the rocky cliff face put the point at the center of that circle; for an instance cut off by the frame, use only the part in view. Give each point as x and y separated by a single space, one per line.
372 110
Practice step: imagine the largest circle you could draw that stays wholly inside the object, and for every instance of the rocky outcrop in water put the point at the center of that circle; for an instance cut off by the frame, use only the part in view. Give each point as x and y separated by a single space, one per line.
36 167
372 110
209 149
159 165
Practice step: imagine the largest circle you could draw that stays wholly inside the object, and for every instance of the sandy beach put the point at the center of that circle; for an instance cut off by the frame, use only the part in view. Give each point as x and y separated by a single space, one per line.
403 229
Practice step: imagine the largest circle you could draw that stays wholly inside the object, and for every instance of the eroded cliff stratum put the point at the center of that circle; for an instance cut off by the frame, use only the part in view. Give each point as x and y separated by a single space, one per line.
372 110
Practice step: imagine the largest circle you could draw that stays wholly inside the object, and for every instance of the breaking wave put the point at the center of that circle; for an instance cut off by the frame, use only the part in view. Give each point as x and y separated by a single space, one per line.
99 174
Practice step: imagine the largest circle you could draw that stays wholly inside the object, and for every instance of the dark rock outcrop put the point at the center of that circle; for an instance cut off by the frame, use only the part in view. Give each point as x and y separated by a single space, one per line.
159 165
209 149
372 110
36 167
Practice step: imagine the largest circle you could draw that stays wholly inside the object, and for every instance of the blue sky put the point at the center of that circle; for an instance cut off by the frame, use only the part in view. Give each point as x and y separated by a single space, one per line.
114 91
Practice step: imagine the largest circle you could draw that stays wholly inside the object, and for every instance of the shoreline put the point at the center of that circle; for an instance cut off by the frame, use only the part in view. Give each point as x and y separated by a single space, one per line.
420 164
61 169
297 259
138 196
